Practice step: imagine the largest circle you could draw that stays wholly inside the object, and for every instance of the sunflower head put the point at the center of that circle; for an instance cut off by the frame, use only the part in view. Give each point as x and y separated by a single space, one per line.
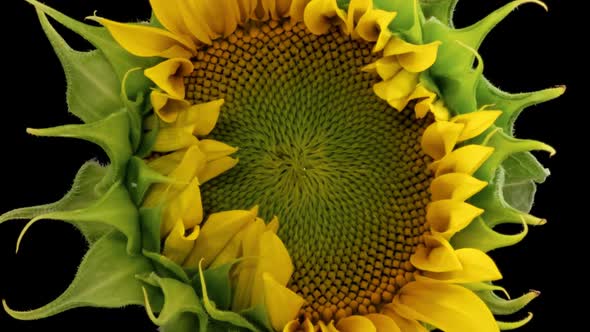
294 165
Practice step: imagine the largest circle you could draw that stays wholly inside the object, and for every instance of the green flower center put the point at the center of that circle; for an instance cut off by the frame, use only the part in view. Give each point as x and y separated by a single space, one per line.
342 170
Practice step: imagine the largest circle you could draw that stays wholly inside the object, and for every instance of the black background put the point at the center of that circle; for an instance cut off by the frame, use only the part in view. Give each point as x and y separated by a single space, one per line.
530 50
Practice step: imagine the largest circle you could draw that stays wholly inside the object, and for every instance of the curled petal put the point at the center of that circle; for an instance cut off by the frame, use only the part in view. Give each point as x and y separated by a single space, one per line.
424 103
447 217
169 76
387 67
475 122
319 15
202 116
186 205
456 186
373 26
435 255
167 107
466 159
396 90
414 58
440 138
306 326
216 233
177 245
477 266
356 9
296 10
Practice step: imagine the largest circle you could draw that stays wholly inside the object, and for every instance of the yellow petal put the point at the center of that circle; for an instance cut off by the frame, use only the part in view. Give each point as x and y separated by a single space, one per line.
216 232
373 26
383 323
448 307
231 251
448 216
399 86
216 167
387 67
194 22
405 325
425 99
440 111
202 116
297 9
327 328
192 161
355 323
221 16
440 138
273 259
281 303
146 41
306 326
477 266
246 10
475 122
169 14
436 255
465 159
186 205
247 271
320 15
456 186
414 58
167 107
174 138
356 9
275 9
273 225
292 326
177 245
215 149
169 76
181 164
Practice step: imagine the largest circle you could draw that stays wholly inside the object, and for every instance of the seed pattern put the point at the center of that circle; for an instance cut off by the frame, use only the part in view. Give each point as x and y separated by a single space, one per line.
342 170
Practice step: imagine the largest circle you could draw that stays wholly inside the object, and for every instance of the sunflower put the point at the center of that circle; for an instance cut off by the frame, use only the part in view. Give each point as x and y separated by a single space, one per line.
293 165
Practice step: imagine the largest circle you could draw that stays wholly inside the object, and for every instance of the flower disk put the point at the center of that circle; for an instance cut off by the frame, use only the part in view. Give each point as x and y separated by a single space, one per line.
344 171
